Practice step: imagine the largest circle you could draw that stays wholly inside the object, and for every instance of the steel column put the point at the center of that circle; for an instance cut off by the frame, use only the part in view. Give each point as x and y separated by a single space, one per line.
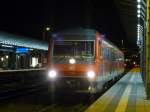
147 48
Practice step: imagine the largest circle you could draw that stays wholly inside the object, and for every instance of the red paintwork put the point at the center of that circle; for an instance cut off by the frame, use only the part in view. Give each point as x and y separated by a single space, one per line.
81 69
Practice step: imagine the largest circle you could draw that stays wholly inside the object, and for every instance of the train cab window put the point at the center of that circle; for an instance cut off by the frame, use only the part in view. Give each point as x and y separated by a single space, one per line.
76 49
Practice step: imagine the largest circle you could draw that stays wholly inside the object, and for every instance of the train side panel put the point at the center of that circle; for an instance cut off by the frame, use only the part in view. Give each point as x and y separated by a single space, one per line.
112 62
108 63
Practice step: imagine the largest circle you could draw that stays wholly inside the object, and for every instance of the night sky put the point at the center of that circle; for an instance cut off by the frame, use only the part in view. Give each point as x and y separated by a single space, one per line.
29 17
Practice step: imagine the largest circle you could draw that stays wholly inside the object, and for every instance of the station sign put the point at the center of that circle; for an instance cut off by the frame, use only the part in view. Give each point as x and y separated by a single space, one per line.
22 50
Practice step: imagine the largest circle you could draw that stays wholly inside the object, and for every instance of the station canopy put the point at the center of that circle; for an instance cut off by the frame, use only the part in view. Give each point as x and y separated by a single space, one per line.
20 41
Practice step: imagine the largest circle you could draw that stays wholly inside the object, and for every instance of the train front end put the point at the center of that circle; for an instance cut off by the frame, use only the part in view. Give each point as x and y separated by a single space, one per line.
72 65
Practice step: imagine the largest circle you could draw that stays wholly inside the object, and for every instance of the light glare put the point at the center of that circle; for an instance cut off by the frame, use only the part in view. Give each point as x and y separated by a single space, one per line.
2 59
138 25
138 1
91 74
138 11
138 15
47 28
72 61
52 74
34 61
138 6
7 56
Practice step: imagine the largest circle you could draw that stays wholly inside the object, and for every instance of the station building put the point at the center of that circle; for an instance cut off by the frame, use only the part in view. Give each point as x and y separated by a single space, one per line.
18 52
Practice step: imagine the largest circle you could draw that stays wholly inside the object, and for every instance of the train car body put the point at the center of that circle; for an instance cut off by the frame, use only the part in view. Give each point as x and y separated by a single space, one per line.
82 60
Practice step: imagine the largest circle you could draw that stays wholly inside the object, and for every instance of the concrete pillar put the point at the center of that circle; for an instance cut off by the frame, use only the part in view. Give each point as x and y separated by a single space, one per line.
28 60
12 60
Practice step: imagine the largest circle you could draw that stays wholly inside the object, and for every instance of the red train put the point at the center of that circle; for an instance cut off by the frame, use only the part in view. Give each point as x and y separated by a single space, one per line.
83 61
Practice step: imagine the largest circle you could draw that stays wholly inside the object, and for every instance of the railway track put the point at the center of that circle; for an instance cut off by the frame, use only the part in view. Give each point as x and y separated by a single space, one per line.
43 101
12 92
70 103
73 103
38 99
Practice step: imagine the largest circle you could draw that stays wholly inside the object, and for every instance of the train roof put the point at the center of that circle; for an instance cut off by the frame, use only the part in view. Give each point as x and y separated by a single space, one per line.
75 34
80 34
112 46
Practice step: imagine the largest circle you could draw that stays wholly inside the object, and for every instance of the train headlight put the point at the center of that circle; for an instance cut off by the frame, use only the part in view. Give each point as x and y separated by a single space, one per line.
91 74
52 74
72 61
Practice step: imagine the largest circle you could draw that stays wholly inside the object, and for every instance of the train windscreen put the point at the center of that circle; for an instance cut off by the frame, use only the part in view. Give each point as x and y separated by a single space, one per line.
82 51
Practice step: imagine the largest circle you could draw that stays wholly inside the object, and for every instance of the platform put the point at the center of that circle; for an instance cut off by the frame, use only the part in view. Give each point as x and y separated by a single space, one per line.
127 95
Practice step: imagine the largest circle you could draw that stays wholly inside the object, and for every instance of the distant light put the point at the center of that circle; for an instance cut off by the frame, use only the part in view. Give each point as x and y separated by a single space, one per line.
120 59
31 49
138 6
2 59
138 25
7 56
138 1
34 61
7 46
54 35
47 28
126 59
125 65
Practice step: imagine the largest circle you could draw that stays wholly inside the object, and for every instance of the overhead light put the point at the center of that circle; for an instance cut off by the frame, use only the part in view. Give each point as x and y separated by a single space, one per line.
138 16
138 11
7 46
138 25
138 1
138 6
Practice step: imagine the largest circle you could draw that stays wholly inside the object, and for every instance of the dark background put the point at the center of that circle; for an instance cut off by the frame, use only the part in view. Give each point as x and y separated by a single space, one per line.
29 17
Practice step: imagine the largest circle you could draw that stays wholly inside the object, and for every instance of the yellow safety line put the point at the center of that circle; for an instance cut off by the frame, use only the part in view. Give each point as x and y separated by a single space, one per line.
101 104
122 105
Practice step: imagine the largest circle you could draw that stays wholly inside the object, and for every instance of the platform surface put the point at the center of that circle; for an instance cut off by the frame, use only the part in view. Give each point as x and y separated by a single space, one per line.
127 95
